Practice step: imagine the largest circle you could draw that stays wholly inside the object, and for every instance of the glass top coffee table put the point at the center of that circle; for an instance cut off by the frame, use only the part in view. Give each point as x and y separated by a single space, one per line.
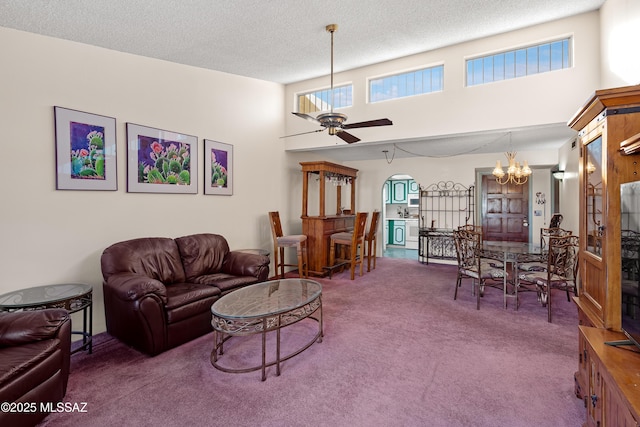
265 307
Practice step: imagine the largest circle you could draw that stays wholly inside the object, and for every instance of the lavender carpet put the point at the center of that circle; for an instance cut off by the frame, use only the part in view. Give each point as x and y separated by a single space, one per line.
397 351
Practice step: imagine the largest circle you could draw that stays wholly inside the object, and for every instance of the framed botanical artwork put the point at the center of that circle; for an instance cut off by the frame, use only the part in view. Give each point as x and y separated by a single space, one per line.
85 150
218 168
160 161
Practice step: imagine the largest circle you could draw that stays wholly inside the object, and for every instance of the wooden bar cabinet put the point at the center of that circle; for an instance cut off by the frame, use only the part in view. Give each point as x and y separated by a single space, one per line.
318 228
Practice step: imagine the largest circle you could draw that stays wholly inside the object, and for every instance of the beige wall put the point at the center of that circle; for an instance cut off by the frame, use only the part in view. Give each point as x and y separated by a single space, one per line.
51 236
620 28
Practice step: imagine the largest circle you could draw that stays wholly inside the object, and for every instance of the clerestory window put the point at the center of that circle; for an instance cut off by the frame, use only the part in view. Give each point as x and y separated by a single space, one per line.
412 83
320 100
520 62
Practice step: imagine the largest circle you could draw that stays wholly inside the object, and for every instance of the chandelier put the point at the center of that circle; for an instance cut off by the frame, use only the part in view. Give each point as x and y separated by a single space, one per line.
515 174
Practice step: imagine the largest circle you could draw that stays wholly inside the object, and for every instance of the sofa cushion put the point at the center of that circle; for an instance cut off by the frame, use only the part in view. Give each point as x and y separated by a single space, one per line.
154 257
225 282
202 254
186 300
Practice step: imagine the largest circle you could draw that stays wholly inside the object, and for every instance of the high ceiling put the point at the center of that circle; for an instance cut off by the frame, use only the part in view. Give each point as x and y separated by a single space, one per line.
282 41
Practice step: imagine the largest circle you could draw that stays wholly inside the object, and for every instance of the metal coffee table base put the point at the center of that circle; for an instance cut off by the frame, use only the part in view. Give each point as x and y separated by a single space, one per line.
224 328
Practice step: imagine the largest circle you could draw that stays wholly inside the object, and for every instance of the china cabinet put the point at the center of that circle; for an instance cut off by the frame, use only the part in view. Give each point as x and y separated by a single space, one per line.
608 377
608 118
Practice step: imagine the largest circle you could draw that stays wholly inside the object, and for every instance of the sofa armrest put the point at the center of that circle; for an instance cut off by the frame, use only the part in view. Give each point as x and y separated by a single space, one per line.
246 264
24 327
132 287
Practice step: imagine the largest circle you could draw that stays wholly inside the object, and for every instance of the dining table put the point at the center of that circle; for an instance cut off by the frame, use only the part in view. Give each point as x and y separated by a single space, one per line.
510 254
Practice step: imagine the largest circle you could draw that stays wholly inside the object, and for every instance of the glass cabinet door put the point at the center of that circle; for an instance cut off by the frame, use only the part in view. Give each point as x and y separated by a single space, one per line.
593 192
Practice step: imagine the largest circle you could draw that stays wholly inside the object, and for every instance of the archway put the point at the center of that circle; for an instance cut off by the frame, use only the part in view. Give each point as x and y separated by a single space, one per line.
400 225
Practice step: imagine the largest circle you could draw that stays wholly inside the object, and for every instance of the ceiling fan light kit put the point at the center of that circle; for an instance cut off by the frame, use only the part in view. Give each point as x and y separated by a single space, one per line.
335 122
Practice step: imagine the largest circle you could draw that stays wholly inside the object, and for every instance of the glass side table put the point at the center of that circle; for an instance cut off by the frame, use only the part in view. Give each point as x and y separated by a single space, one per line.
73 297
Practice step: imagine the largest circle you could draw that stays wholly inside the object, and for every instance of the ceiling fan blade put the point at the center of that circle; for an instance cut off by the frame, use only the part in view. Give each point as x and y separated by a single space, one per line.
307 117
347 137
303 133
370 123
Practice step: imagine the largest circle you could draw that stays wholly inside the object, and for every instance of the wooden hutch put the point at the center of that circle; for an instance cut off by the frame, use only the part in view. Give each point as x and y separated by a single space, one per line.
608 377
318 229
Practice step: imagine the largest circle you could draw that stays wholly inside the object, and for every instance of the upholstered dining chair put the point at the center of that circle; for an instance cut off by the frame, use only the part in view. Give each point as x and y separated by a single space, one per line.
560 273
371 241
473 265
539 263
280 242
353 240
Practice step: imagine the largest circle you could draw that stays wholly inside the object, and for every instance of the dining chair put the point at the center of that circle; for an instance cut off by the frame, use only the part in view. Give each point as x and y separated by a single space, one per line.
472 264
371 241
560 272
280 242
489 257
353 241
539 262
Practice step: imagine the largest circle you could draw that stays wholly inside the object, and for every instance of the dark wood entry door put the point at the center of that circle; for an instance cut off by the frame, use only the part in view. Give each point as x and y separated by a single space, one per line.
505 211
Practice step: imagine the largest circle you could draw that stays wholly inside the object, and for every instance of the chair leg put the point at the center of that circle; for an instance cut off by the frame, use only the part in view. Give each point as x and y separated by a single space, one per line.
305 260
458 282
361 258
282 263
375 250
300 261
354 251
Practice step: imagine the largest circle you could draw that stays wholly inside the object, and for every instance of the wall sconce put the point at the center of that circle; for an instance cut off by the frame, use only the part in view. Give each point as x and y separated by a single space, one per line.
559 175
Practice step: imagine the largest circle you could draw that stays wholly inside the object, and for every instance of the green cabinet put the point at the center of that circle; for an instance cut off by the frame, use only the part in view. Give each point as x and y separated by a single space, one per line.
414 188
400 190
396 232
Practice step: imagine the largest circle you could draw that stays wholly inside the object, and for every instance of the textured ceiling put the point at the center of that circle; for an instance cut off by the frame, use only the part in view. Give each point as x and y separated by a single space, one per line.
285 41
279 40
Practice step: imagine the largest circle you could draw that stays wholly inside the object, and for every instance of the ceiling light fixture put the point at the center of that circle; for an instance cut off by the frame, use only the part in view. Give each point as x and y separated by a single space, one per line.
515 174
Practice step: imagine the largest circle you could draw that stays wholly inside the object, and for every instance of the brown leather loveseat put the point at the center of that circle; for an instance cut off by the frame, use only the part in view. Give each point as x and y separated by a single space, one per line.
35 350
158 291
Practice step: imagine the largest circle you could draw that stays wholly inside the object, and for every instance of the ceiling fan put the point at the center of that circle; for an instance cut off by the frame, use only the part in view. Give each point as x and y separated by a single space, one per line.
335 122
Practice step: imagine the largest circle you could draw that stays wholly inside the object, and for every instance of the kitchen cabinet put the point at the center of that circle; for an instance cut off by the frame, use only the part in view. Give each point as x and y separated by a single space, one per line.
387 192
413 187
396 232
400 189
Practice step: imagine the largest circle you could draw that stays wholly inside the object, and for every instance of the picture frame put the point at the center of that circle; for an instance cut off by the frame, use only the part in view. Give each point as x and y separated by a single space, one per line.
160 161
85 150
218 168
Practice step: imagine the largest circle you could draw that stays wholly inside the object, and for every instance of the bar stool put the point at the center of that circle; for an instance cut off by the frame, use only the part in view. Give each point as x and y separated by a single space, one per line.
371 241
299 241
354 240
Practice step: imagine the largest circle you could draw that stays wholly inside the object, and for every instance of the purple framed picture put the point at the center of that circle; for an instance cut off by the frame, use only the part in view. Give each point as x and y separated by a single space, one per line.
218 168
160 161
85 151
